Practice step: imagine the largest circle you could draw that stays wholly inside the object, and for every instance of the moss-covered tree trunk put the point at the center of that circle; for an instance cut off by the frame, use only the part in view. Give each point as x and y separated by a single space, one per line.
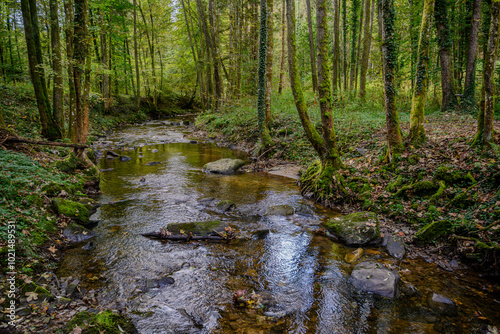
265 138
486 112
354 34
312 51
470 70
449 101
269 60
283 39
80 54
336 49
57 92
367 40
387 18
69 34
136 59
50 129
417 131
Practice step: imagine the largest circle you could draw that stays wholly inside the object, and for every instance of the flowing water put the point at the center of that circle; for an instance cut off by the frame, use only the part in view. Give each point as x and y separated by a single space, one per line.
303 274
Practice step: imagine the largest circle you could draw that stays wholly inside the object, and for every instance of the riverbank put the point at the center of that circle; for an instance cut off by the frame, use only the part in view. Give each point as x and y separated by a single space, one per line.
44 189
442 197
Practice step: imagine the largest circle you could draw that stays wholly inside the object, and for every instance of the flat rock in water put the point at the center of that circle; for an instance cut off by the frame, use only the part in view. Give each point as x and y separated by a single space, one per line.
124 158
354 255
197 228
76 233
224 166
395 247
357 229
280 210
225 205
442 305
373 277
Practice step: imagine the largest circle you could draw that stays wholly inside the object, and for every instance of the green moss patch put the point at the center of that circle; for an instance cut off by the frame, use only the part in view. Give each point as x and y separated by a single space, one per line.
76 211
432 231
102 322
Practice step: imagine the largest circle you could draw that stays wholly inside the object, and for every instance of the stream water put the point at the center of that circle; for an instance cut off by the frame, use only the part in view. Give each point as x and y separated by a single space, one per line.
304 274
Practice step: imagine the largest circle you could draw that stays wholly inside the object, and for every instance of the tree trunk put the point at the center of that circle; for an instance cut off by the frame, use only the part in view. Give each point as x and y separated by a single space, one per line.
129 57
484 134
50 130
417 131
265 139
149 35
218 85
269 59
57 97
358 50
367 40
282 63
312 52
208 57
136 59
104 64
449 100
344 42
79 57
354 34
336 50
386 19
470 70
68 31
331 157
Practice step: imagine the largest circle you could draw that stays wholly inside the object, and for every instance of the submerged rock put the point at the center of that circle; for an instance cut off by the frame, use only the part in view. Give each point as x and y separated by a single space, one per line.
354 255
373 277
357 229
225 205
280 210
224 166
76 233
442 305
111 154
124 158
197 228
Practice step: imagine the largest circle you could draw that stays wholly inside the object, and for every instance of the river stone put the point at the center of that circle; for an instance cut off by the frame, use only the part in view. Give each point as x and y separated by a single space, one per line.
76 211
225 205
372 277
354 255
280 210
76 233
111 154
357 229
395 247
223 166
197 228
432 231
124 158
442 305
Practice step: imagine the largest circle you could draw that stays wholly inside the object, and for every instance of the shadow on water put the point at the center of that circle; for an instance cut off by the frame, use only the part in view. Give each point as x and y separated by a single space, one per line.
303 275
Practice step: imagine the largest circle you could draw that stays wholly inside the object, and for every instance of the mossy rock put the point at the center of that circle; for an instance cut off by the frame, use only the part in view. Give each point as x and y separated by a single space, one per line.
53 189
103 322
463 201
225 205
280 210
76 211
432 231
42 293
357 229
68 165
424 187
392 187
454 177
197 228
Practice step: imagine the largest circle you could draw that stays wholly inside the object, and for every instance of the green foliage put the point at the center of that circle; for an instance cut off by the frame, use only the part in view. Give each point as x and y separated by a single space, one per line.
96 323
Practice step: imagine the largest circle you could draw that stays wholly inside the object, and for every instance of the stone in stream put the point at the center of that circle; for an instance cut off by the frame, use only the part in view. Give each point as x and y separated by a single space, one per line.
78 212
373 277
357 229
124 158
395 247
354 255
225 205
442 305
197 228
76 233
280 210
224 166
111 154
152 163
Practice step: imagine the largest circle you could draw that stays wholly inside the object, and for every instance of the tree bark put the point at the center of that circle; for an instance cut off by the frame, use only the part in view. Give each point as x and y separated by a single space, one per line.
358 49
484 135
345 61
80 55
449 100
265 139
283 38
417 131
470 70
354 34
367 39
104 64
269 60
136 59
69 33
386 19
336 50
57 93
50 129
312 52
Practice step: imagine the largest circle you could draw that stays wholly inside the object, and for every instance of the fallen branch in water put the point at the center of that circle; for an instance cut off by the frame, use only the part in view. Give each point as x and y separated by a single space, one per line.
158 235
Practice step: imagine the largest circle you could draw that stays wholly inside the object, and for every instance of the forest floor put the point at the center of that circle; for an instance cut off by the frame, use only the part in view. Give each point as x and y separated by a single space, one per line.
442 197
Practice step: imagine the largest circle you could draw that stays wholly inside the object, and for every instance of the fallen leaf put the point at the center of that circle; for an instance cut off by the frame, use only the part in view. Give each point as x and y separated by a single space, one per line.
76 330
31 296
53 249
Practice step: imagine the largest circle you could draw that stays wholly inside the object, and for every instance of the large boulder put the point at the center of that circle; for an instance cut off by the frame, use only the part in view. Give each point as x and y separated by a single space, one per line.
375 278
76 233
224 166
76 211
357 229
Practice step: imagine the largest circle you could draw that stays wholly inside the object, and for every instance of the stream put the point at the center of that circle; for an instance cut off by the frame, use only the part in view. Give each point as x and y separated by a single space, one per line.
304 274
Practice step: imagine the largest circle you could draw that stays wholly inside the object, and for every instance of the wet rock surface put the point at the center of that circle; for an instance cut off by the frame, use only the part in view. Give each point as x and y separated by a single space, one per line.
357 229
76 233
442 305
280 210
224 166
373 277
395 247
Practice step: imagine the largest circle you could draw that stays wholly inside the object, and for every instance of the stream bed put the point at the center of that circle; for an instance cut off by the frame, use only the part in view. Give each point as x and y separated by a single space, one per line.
172 287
